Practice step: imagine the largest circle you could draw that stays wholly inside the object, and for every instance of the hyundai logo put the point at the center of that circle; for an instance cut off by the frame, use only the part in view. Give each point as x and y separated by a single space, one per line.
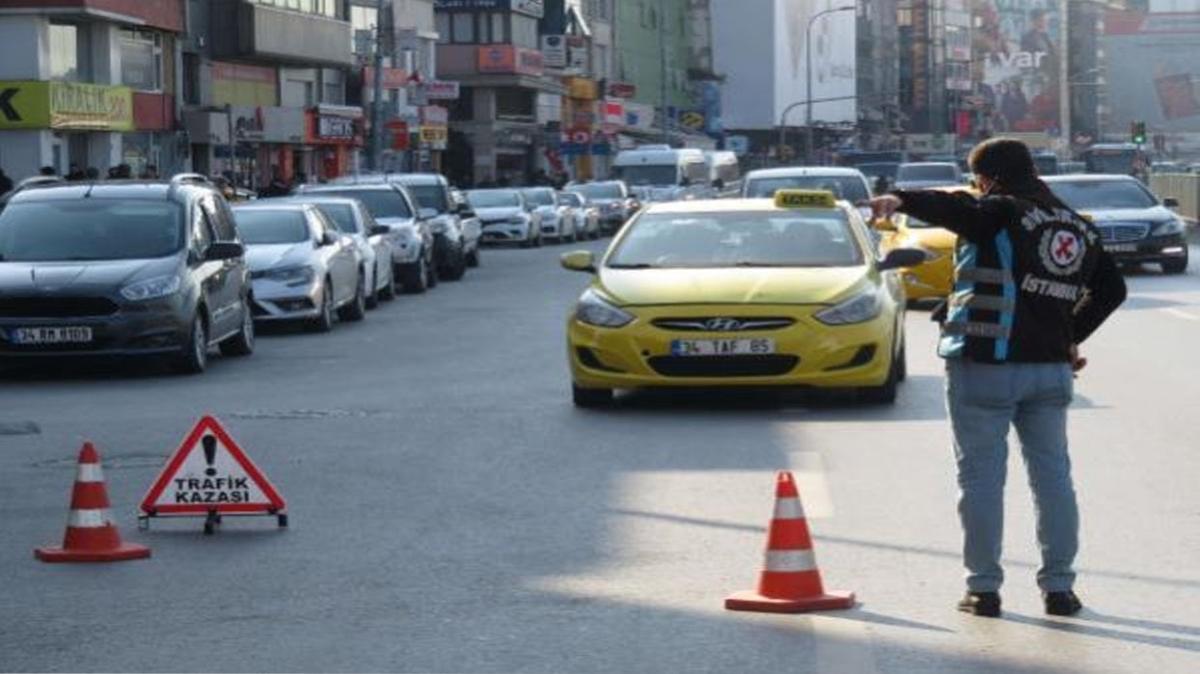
723 324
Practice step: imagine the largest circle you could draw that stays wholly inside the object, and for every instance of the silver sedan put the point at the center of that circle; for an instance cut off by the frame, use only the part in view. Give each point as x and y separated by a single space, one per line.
302 268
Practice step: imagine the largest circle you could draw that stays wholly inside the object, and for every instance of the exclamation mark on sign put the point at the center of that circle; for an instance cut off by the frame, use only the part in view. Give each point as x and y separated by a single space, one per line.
210 454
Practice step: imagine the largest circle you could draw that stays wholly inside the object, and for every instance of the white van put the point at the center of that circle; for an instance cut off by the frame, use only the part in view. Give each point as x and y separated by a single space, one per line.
659 173
724 173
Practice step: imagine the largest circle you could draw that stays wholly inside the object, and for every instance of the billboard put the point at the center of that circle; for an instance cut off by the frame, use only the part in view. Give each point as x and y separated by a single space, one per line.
833 60
1017 44
1153 74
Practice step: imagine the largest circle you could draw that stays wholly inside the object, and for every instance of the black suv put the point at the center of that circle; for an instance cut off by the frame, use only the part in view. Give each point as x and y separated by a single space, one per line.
123 268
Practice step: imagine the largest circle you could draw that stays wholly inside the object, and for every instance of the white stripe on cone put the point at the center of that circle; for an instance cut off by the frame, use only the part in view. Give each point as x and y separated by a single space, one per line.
89 518
89 472
791 560
789 509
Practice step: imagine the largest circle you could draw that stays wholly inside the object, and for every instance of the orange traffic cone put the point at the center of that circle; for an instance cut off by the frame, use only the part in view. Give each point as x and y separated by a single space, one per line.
790 583
91 535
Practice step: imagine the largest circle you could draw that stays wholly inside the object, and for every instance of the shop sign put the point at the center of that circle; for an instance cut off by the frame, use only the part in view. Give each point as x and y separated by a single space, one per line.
393 78
581 88
554 51
514 137
441 90
577 53
622 89
338 128
65 105
612 113
399 132
268 124
534 8
509 59
692 119
435 137
435 115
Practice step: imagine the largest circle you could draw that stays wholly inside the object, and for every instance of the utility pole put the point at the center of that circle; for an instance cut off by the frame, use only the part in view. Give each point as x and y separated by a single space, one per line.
662 58
1065 91
373 160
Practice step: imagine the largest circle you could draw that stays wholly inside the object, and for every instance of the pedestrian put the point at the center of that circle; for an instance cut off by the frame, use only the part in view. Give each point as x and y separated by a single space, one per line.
1032 282
47 171
6 183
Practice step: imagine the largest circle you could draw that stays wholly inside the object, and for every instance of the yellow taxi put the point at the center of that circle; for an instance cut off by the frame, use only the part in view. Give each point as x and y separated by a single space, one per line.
935 278
740 292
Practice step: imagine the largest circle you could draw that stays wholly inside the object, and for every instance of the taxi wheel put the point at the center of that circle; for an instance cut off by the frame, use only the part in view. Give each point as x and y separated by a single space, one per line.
591 397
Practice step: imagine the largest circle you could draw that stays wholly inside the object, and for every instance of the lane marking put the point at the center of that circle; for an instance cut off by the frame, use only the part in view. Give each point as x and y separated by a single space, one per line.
1181 314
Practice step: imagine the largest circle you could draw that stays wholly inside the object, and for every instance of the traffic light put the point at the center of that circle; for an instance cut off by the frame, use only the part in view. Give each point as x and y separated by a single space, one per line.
1137 132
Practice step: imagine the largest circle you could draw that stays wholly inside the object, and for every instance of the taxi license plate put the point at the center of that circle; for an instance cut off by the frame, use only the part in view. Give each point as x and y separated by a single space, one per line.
1120 247
722 347
64 335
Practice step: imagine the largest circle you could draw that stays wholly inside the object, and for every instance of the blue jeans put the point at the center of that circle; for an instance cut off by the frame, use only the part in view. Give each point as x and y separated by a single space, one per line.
984 400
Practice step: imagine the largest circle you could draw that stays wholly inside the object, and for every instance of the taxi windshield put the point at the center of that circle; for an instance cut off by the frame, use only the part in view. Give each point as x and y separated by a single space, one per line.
775 238
850 188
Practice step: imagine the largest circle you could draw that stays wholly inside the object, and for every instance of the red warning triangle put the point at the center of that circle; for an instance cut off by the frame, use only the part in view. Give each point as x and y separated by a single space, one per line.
210 473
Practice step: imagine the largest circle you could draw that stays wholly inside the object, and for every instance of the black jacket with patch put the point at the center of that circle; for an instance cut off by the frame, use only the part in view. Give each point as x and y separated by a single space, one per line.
1031 277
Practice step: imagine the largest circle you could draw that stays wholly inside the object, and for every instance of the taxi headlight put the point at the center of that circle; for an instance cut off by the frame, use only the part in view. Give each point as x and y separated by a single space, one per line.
152 288
594 310
1167 227
857 309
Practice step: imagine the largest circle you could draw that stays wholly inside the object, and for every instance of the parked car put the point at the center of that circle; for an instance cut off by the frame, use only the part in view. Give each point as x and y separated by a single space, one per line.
353 219
453 245
131 268
923 175
614 200
558 221
845 183
506 216
302 267
411 236
472 226
584 213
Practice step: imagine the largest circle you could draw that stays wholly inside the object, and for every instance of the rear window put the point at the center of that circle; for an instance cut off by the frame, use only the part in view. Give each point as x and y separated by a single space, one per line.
268 227
850 188
90 229
380 203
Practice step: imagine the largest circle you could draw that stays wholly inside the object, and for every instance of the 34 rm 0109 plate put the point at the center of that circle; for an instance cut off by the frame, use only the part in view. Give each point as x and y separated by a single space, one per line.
722 347
57 335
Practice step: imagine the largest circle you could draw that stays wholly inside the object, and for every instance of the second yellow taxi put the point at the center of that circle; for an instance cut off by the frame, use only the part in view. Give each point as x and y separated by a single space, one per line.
934 279
740 292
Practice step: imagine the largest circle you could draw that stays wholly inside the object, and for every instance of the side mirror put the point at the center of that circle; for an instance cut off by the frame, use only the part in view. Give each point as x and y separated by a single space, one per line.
903 257
427 213
1171 202
579 260
884 225
378 230
224 250
328 239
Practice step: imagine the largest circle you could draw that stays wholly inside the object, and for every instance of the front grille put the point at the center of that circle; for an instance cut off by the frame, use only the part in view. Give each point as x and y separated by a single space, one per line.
723 366
1123 233
724 323
56 307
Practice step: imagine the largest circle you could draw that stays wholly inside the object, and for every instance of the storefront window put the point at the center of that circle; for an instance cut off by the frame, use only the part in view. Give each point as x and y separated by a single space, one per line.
141 60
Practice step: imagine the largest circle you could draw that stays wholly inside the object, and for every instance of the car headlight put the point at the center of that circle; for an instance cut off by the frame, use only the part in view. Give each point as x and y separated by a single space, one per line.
858 309
151 288
1167 227
595 310
292 276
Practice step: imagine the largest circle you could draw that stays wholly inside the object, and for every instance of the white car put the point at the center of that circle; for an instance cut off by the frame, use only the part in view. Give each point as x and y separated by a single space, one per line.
558 221
353 219
846 183
926 174
506 216
301 267
612 198
585 214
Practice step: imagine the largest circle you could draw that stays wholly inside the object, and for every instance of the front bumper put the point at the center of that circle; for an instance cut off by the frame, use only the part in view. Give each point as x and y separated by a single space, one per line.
275 301
807 353
134 329
1151 249
505 233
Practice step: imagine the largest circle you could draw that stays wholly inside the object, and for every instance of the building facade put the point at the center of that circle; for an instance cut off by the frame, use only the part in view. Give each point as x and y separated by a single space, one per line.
89 84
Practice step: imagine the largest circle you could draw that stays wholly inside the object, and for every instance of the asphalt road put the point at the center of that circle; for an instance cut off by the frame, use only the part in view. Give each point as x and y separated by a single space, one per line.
451 511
